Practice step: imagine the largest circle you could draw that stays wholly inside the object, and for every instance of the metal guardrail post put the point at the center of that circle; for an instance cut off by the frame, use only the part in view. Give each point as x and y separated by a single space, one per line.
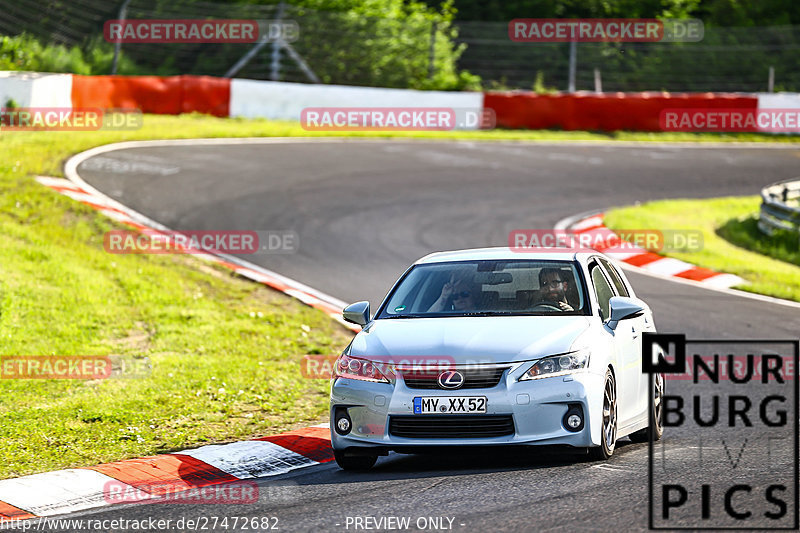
432 50
275 63
573 65
118 44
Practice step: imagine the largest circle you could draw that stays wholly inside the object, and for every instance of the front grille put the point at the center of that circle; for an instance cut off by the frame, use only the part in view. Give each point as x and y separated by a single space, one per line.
473 379
451 427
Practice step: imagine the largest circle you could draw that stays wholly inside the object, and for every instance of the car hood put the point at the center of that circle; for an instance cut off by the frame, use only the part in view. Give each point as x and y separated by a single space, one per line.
470 339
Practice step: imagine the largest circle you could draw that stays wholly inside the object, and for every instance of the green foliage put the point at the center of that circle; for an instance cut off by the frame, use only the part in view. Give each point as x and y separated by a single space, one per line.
744 232
380 43
539 86
24 52
728 59
392 50
712 12
743 38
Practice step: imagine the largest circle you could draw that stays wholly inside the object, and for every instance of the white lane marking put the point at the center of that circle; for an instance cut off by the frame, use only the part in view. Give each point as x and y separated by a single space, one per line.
250 459
62 491
612 468
121 166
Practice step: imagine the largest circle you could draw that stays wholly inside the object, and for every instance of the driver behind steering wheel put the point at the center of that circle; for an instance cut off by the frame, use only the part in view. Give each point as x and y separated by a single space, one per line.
553 289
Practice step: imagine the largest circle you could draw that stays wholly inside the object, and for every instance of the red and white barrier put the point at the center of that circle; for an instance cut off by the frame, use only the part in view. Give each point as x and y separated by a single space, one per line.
222 97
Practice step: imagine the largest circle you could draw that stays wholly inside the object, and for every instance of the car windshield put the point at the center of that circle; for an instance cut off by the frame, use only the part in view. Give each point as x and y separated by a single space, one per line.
485 288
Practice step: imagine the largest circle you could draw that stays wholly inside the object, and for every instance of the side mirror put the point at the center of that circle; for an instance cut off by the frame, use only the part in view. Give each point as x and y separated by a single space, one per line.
623 308
357 313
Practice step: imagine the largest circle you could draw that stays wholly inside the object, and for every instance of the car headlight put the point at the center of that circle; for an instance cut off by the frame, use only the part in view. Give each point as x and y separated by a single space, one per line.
557 365
354 368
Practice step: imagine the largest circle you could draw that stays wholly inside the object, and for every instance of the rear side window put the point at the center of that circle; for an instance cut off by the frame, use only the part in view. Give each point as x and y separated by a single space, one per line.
615 278
602 290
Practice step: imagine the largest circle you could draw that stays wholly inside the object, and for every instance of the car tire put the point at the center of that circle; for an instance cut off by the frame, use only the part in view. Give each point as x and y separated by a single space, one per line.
643 435
354 463
608 431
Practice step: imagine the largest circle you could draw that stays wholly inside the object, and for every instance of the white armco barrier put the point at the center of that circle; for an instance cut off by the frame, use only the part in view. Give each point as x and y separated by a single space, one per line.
783 101
779 100
285 101
34 89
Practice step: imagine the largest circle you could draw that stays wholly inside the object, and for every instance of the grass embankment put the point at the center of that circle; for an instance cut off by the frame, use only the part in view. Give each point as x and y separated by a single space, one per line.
225 352
731 240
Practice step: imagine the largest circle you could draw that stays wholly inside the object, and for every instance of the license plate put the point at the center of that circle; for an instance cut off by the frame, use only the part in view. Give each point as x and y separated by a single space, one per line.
449 405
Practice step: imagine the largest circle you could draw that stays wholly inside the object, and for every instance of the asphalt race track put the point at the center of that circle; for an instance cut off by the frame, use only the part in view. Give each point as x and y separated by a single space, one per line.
364 210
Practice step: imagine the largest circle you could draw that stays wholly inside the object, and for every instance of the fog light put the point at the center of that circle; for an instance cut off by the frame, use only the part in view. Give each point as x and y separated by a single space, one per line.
573 419
342 422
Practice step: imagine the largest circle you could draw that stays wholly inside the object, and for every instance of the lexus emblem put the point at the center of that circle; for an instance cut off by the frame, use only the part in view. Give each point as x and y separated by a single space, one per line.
451 379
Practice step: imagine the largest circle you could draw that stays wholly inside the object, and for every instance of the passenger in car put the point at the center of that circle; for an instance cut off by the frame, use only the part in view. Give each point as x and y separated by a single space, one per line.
458 294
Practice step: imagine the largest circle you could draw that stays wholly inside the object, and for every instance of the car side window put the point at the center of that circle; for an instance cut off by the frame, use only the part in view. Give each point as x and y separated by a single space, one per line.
602 290
616 279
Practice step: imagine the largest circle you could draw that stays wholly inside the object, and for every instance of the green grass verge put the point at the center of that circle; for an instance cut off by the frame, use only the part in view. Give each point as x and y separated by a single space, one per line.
225 351
728 228
783 245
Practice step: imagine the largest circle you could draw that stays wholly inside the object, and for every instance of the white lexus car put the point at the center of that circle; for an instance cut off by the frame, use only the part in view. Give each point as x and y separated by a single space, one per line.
492 347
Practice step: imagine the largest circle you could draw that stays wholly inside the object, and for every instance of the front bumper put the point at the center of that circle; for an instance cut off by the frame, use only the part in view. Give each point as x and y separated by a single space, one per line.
538 408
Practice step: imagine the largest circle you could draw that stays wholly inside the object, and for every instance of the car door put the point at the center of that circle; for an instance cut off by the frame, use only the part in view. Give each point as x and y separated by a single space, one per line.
623 346
636 326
